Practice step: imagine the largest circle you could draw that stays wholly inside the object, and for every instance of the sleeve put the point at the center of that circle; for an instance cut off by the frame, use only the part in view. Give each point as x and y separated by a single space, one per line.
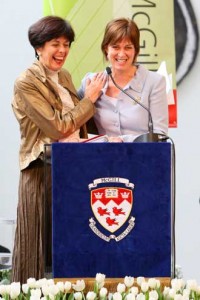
34 101
81 90
159 105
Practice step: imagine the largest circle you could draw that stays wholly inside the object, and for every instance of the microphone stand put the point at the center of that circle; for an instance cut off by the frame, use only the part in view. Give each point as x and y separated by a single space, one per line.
156 137
147 137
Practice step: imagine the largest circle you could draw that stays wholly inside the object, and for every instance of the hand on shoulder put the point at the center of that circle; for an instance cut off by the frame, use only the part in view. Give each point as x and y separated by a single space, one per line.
94 85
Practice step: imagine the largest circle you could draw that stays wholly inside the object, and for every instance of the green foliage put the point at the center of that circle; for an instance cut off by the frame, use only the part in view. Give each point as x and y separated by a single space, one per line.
5 276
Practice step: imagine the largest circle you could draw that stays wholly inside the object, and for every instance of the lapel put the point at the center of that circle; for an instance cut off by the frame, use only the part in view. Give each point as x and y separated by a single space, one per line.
138 81
64 79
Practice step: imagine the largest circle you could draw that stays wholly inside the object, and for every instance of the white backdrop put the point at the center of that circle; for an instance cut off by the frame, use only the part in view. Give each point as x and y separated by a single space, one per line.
17 55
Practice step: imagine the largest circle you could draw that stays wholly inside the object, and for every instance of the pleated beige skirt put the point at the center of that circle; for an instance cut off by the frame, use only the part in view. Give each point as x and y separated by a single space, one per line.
33 216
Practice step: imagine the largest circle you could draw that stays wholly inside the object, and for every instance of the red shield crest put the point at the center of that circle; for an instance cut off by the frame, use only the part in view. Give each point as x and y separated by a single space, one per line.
111 206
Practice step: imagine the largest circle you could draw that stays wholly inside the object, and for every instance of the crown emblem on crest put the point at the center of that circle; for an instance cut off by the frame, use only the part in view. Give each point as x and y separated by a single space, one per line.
125 195
98 195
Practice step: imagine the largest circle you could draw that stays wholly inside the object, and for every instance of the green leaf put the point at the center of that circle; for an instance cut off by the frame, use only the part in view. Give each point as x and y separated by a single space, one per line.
96 287
71 296
123 295
64 297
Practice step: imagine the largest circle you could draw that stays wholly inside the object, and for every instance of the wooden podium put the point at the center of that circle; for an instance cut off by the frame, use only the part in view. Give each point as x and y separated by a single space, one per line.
113 211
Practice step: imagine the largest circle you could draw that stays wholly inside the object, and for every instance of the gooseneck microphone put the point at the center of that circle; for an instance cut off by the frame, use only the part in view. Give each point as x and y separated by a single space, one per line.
150 136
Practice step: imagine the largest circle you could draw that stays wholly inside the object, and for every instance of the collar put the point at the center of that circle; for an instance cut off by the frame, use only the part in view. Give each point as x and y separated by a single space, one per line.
40 72
43 73
138 81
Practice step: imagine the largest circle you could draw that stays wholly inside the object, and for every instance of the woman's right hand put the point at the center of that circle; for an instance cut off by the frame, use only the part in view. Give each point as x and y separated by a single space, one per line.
94 86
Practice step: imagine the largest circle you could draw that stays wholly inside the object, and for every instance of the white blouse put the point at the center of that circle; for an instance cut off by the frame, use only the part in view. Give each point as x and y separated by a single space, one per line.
68 104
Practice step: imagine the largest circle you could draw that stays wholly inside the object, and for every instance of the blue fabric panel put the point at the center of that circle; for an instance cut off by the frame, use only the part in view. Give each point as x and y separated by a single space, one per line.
77 251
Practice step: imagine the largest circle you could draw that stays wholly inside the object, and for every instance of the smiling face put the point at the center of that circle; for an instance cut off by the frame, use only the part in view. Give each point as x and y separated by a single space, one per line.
121 55
54 53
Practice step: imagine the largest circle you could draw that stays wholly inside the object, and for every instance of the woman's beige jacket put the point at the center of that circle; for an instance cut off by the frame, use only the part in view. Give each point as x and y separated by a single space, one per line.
38 109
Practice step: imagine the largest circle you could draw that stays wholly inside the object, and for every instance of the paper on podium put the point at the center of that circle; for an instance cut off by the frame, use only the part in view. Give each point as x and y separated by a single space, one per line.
97 139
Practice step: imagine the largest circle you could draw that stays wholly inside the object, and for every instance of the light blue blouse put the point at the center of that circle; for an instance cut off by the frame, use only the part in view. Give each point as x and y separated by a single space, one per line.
122 116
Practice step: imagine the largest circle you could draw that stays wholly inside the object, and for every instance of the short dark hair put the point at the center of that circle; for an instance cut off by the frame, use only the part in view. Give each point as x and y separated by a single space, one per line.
118 29
48 28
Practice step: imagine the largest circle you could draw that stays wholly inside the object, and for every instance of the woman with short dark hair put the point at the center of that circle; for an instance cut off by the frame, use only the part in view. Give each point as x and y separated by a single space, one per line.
48 110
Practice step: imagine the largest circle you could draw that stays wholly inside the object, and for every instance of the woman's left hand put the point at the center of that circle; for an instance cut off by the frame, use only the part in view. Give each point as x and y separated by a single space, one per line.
94 86
115 139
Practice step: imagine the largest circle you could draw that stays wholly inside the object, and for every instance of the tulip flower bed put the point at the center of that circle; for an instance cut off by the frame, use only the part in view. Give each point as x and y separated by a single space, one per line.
129 288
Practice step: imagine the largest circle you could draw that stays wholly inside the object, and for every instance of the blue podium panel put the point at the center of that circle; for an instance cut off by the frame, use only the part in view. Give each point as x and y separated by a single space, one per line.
111 209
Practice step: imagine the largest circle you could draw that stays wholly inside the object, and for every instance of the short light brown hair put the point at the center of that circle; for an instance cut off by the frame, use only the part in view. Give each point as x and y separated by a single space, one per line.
118 29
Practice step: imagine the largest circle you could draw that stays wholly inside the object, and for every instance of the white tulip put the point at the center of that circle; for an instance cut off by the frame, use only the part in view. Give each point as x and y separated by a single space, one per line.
166 291
129 281
134 290
91 295
152 282
121 287
34 297
178 297
130 296
140 296
78 296
182 282
36 292
31 283
117 296
50 282
41 282
172 293
68 286
153 295
177 284
100 278
186 292
103 292
8 289
53 290
60 285
144 286
192 285
45 290
25 288
15 289
3 290
139 280
184 297
51 297
198 290
79 286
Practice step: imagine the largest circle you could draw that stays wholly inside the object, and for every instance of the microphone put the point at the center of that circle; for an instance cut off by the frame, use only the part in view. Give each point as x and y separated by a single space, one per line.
147 137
